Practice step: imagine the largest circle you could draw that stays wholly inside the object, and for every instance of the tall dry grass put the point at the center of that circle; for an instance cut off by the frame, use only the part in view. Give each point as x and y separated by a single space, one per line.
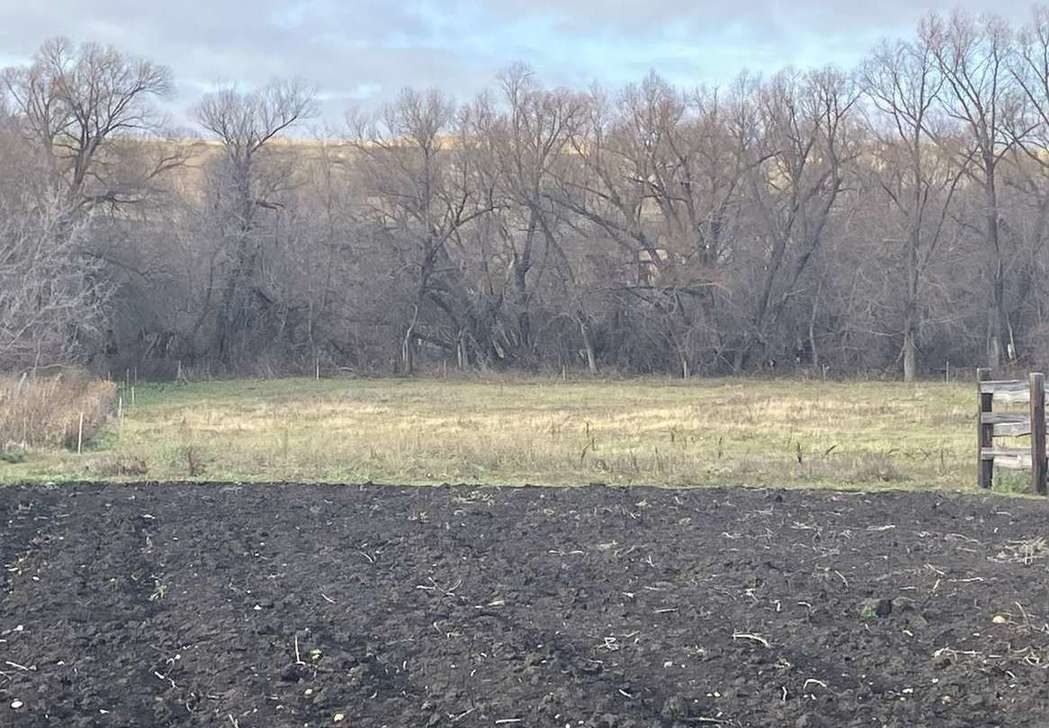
44 411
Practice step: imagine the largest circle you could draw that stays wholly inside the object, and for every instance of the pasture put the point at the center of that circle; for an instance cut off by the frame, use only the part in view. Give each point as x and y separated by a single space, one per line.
546 432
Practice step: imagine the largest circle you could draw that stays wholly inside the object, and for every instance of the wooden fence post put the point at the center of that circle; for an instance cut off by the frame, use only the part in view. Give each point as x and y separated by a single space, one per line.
1038 463
984 432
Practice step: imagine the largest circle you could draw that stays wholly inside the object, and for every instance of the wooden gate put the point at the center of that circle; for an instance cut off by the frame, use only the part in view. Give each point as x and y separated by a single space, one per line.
1029 423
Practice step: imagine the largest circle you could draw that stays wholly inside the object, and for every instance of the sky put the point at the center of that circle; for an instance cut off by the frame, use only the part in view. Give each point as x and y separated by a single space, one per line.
360 53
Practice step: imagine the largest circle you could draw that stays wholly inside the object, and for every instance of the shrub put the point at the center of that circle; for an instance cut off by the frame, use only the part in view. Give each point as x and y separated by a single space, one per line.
12 456
873 467
44 411
122 466
193 459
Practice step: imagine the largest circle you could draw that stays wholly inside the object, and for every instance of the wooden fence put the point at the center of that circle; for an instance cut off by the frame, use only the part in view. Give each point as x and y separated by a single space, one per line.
991 424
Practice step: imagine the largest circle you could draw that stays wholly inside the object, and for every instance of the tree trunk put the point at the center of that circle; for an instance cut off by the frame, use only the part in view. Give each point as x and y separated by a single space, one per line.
910 313
814 353
910 325
909 359
408 345
996 313
739 358
522 265
588 345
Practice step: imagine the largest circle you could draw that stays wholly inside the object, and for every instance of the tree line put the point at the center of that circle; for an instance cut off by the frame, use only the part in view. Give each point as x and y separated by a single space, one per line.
891 217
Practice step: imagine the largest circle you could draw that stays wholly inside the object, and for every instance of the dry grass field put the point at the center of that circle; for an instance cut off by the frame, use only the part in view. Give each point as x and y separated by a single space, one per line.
51 412
732 431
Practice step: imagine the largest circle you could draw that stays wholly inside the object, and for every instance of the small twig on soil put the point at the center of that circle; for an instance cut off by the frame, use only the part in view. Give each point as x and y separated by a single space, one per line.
1027 620
752 637
298 660
960 537
814 681
368 556
950 652
17 666
326 598
507 721
233 720
1023 551
165 677
459 717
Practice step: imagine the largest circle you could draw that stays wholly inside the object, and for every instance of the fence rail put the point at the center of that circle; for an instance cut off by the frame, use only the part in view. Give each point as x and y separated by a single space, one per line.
991 424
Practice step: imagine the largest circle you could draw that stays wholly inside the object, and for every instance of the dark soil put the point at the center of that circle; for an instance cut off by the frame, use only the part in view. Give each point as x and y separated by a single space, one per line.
290 605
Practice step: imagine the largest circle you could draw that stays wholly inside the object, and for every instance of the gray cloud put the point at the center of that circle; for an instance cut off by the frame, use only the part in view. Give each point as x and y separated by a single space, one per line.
364 51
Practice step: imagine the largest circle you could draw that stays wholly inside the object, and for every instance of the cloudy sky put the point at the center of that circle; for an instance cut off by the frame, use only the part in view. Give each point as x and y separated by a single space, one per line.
363 51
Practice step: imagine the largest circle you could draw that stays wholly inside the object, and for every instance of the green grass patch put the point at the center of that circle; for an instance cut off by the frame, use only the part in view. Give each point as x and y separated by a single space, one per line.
701 432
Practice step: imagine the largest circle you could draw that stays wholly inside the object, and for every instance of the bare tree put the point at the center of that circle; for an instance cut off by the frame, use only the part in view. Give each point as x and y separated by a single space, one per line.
902 82
807 143
244 123
525 135
418 161
72 114
660 176
1028 175
52 300
818 216
74 102
973 55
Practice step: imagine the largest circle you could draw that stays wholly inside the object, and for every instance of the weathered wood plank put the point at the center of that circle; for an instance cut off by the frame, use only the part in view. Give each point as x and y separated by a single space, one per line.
1002 386
1012 397
1008 424
1013 429
1000 418
989 453
1008 458
1007 391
